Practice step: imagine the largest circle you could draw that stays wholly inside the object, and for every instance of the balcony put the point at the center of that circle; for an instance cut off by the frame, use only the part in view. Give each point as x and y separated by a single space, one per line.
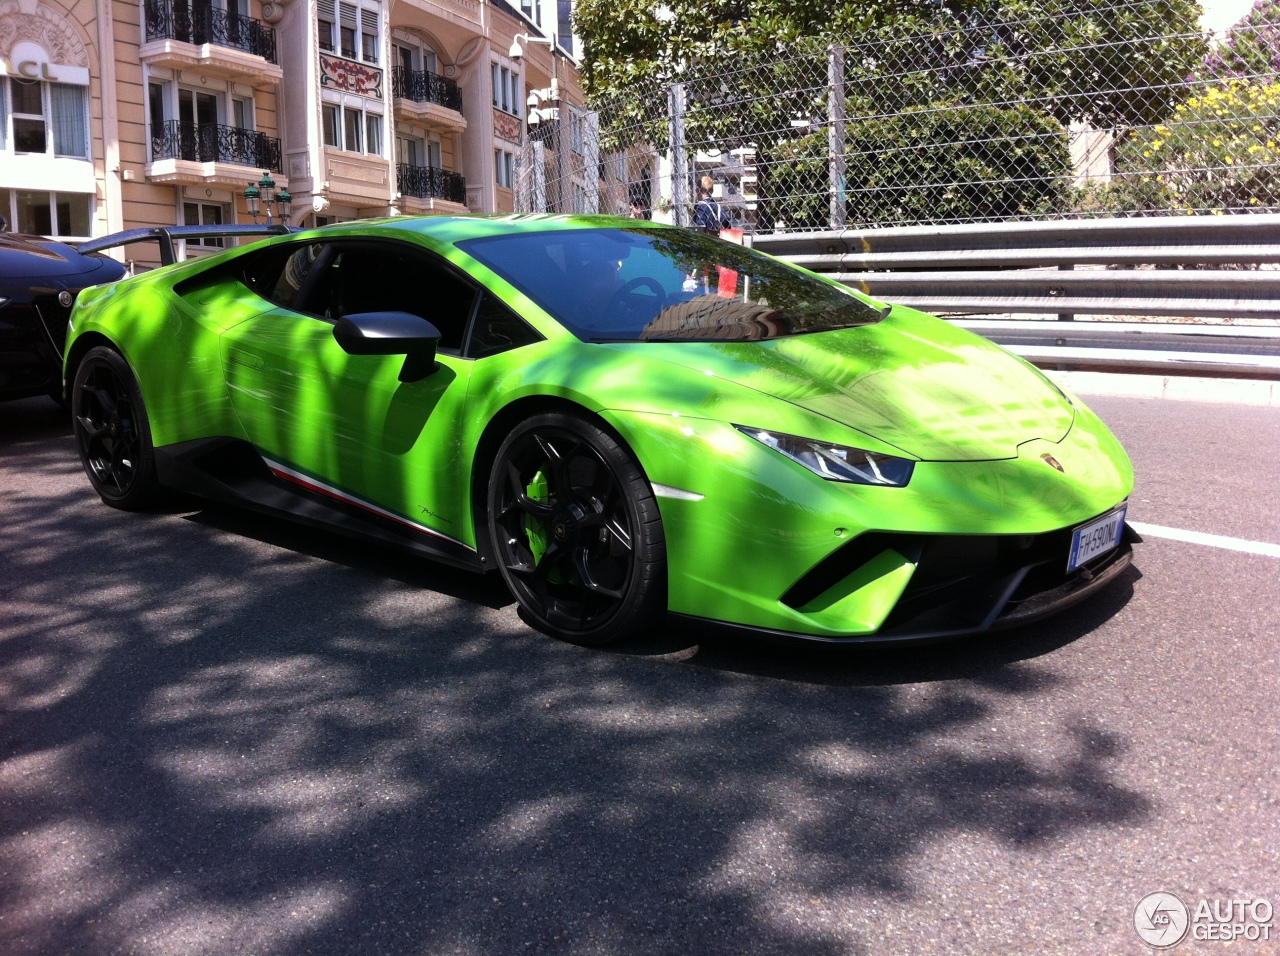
195 36
212 155
427 188
427 98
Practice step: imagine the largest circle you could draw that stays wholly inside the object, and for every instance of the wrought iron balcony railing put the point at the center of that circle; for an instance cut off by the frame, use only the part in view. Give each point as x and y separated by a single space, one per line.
199 23
430 182
423 86
210 143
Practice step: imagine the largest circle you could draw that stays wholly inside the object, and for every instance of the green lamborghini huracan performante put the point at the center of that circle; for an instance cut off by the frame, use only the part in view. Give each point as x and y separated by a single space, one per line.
624 420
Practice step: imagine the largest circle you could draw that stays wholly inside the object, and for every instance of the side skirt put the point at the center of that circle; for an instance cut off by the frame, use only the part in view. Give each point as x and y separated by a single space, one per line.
232 471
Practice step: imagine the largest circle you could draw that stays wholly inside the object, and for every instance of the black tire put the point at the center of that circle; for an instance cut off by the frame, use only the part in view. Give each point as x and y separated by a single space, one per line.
112 431
587 559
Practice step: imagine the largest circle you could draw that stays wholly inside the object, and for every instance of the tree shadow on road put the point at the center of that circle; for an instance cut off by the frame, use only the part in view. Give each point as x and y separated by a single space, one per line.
223 738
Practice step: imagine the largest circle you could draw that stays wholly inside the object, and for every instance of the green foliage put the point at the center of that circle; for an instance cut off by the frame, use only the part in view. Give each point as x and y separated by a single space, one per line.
1252 46
998 164
1110 65
955 110
1217 153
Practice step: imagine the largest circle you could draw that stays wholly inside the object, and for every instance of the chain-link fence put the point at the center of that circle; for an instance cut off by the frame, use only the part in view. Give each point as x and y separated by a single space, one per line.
557 166
987 119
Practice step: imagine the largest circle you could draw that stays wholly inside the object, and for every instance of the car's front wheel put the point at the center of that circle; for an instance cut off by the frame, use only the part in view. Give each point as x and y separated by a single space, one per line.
112 431
576 530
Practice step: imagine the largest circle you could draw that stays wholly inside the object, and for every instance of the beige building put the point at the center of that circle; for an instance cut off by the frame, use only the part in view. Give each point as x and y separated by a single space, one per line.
357 107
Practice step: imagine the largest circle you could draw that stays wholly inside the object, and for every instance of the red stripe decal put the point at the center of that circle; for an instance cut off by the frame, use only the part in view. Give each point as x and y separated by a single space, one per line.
355 502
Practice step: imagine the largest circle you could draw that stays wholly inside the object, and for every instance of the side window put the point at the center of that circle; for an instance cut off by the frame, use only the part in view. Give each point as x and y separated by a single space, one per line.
387 277
498 329
278 274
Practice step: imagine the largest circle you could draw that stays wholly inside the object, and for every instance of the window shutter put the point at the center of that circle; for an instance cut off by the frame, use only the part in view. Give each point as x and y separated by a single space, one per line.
348 15
369 21
326 12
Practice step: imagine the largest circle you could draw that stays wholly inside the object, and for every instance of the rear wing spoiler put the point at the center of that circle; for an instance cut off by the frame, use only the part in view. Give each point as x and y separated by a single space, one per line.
166 235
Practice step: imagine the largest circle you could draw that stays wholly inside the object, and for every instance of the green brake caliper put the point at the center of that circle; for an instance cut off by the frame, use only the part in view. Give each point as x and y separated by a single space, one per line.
536 531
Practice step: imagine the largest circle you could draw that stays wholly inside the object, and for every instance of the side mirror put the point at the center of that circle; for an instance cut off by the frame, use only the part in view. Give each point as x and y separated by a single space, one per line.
391 333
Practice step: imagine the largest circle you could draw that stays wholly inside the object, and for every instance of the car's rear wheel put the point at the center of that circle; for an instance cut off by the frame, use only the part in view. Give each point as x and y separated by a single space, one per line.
576 530
112 431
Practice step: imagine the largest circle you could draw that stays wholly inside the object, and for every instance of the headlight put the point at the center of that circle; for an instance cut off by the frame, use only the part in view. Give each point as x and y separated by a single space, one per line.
837 462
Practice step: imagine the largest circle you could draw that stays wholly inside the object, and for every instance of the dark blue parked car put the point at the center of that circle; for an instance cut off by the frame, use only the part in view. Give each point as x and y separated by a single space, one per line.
39 281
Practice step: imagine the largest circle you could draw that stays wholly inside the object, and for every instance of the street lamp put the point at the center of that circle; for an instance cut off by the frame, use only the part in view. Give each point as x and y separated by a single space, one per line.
262 195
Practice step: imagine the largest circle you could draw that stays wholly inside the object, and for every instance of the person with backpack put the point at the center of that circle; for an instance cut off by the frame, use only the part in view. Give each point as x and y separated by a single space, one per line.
708 215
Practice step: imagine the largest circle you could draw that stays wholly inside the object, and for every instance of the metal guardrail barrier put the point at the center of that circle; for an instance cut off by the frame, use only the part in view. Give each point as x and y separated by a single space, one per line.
1182 348
1032 267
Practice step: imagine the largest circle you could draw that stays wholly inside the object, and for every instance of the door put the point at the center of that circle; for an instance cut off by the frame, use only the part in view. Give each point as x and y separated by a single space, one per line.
202 22
409 150
198 122
346 421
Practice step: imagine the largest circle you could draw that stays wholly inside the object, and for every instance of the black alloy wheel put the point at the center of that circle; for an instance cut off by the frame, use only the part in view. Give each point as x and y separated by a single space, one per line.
576 530
112 431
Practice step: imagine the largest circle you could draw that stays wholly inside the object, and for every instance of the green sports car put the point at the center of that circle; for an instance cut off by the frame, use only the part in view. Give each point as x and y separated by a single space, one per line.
625 420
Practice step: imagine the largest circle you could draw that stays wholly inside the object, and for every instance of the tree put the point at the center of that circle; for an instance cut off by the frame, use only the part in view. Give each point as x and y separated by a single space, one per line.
1251 47
1217 151
756 71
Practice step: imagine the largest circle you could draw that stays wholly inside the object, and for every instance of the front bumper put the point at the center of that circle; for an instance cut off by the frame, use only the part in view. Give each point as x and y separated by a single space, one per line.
964 587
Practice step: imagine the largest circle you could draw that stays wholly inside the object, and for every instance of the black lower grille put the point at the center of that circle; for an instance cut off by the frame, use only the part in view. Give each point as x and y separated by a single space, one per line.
961 582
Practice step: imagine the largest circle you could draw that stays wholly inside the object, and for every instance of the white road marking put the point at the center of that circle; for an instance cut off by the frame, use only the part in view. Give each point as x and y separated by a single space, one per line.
1212 540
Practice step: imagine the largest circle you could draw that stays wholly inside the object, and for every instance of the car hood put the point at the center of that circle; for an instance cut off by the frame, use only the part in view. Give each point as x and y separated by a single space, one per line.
30 257
935 391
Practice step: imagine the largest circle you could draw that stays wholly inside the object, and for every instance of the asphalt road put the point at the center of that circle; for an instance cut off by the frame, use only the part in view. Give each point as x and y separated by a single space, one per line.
222 734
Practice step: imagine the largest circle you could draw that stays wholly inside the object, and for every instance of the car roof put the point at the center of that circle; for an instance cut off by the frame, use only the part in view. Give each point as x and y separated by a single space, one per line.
452 229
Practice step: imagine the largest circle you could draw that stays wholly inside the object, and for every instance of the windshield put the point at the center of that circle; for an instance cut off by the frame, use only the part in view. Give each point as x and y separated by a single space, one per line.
646 284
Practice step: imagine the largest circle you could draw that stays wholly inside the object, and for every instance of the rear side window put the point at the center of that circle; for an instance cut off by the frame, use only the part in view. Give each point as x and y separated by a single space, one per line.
278 273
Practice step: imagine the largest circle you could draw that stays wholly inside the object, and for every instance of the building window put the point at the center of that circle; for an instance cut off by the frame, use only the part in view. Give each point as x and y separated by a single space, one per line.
414 58
352 140
356 26
40 213
506 90
198 108
351 129
203 214
242 113
409 150
350 29
326 19
38 117
416 151
332 136
156 106
504 166
369 35
29 131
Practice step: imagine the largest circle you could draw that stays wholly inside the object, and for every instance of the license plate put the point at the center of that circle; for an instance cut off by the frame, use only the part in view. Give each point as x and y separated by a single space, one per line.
1097 537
